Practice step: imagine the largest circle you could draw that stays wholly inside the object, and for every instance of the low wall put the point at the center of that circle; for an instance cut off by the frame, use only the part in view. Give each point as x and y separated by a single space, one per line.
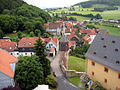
70 73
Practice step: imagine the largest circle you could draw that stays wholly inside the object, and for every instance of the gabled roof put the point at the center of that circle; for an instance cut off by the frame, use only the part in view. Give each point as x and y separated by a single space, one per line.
54 40
4 40
5 60
71 36
27 42
86 37
105 49
53 25
8 46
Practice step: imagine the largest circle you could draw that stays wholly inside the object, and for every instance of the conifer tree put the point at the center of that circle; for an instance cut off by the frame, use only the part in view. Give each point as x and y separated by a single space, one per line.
40 52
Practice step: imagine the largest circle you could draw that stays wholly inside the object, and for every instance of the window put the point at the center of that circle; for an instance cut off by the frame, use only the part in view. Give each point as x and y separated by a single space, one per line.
105 80
117 62
11 54
10 48
25 53
118 75
116 50
102 38
93 63
31 53
17 53
30 43
24 43
94 52
113 41
105 69
92 73
105 57
104 46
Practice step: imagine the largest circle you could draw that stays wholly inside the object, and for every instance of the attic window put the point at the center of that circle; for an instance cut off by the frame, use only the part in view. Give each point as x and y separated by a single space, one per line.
102 38
10 48
117 62
113 41
116 50
24 43
105 57
30 43
94 52
104 46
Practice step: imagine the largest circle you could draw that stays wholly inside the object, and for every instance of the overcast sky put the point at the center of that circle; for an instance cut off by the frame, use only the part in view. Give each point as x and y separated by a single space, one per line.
53 3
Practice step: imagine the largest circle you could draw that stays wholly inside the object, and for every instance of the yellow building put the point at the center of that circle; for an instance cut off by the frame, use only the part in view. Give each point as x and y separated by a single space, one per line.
103 61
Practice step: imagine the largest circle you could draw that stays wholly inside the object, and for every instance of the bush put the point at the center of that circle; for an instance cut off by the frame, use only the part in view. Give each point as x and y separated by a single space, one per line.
97 86
51 81
84 79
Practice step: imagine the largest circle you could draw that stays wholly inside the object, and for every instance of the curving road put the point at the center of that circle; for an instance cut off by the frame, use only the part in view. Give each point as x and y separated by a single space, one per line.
63 83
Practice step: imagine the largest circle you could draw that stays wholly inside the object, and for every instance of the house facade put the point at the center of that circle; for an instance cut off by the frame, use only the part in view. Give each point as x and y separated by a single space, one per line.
103 61
54 28
7 69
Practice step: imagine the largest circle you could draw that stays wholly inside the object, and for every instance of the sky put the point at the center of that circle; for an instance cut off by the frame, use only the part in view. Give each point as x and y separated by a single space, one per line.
53 3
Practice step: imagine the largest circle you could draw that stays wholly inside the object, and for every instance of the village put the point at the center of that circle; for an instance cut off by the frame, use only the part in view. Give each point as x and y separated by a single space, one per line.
101 59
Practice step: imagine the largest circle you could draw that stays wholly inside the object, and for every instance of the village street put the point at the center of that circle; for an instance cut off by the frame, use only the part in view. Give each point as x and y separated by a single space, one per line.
63 83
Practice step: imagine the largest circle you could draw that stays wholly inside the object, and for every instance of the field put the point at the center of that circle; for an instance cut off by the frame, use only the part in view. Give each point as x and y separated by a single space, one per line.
112 30
114 14
80 18
111 15
75 63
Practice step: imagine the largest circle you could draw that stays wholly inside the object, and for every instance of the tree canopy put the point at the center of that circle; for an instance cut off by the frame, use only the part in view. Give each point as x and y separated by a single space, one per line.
29 72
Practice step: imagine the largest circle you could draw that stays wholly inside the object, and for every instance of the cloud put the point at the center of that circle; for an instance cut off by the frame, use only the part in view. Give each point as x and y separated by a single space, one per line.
52 3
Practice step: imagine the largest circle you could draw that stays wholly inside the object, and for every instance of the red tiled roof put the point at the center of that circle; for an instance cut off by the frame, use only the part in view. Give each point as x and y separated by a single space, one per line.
5 60
52 50
8 46
52 31
67 31
54 40
5 40
86 37
71 36
27 42
53 25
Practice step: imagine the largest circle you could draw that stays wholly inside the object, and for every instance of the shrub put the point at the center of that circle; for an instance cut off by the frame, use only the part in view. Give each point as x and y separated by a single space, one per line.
97 86
84 79
51 81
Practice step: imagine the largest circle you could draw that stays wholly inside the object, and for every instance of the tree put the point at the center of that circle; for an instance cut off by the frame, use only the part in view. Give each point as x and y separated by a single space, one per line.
39 49
37 32
1 33
28 26
19 34
32 34
29 72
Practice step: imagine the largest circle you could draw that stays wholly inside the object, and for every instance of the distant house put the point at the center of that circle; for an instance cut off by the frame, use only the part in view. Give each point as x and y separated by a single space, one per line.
52 43
9 46
87 39
103 61
54 28
52 52
118 25
67 32
7 69
73 37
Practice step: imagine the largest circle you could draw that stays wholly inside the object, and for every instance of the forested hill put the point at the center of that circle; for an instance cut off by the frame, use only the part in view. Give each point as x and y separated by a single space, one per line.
90 3
16 15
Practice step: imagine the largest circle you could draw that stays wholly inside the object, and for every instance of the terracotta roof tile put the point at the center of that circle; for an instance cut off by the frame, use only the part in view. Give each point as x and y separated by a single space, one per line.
5 60
71 36
52 50
8 46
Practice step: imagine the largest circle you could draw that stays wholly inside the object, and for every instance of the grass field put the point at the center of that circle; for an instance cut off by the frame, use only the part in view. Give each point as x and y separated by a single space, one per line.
112 30
75 63
111 15
80 18
76 81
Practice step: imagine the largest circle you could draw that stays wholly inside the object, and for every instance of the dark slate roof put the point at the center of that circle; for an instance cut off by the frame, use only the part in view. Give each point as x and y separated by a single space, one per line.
105 49
64 39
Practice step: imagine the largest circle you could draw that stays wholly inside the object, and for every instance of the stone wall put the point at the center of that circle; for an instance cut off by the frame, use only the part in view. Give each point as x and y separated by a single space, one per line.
70 73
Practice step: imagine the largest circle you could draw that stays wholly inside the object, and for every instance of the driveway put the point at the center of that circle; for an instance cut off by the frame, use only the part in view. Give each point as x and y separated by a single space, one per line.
63 83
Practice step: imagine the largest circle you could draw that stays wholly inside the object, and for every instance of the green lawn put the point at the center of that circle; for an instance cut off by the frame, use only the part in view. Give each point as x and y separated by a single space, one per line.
76 81
75 63
112 30
80 18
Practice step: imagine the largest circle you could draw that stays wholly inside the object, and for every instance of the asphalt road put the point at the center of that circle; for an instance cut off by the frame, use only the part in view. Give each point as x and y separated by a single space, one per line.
63 83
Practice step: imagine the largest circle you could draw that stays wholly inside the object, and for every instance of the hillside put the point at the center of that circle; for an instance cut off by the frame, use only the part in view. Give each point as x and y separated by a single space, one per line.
16 15
90 3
